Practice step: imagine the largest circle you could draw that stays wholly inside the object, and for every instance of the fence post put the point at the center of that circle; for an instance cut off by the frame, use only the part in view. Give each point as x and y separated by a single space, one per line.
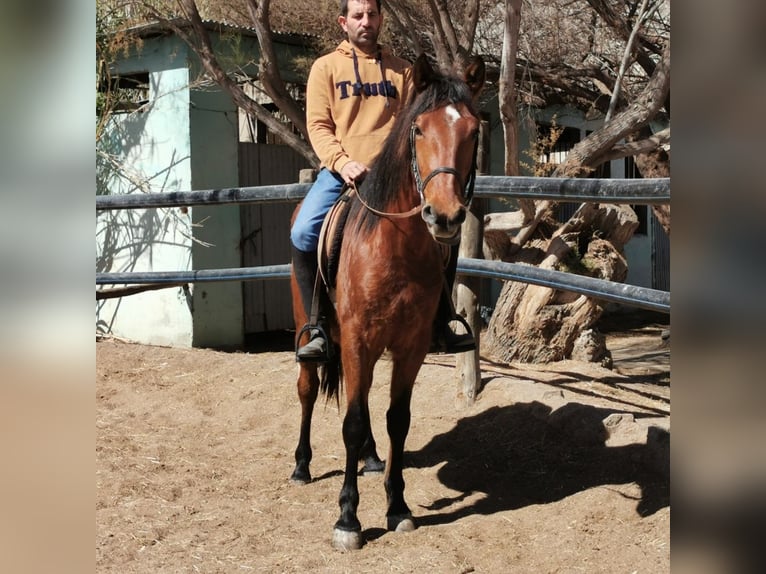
308 175
469 288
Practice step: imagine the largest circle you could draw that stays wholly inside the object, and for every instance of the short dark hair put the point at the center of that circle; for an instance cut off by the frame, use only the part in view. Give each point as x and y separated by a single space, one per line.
344 7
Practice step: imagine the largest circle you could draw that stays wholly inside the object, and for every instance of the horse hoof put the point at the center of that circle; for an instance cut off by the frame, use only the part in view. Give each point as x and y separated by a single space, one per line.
373 467
344 540
300 477
402 523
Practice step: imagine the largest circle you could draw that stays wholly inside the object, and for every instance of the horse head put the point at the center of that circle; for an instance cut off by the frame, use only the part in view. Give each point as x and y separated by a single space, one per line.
443 144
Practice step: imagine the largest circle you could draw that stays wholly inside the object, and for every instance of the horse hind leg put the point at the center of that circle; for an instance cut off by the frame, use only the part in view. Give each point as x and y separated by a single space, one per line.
369 454
308 389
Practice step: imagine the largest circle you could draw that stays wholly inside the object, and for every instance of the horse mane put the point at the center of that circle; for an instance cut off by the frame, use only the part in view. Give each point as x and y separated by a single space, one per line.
390 172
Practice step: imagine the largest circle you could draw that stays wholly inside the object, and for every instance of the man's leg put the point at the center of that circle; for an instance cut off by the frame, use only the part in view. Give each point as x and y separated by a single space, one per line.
304 237
305 266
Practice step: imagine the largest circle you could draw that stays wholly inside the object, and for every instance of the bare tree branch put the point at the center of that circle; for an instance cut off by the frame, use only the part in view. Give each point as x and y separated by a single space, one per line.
622 27
269 66
624 63
507 85
647 145
591 151
116 292
441 16
403 22
200 43
470 21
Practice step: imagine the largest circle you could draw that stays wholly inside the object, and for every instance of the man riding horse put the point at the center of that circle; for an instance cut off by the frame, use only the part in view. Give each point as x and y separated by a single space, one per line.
353 97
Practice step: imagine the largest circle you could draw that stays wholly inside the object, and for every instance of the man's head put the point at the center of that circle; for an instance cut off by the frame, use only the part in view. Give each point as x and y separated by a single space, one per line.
344 7
361 20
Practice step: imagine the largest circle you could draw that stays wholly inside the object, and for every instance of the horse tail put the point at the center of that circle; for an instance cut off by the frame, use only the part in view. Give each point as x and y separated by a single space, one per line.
331 377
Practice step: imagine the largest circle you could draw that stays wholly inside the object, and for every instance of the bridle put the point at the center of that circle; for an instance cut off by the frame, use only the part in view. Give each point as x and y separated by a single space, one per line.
420 183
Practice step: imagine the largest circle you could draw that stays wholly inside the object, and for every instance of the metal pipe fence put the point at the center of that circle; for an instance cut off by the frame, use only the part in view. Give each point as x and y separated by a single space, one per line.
624 191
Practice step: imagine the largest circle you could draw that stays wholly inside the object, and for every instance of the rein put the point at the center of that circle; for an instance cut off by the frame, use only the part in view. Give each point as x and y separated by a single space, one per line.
368 207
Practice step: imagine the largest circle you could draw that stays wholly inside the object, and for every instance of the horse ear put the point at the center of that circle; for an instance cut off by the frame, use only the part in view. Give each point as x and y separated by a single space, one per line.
475 74
422 74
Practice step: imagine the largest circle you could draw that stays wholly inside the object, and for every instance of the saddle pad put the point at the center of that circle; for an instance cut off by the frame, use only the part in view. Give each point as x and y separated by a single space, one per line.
331 237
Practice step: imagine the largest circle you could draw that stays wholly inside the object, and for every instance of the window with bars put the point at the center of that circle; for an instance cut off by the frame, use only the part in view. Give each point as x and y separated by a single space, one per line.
554 142
127 93
251 129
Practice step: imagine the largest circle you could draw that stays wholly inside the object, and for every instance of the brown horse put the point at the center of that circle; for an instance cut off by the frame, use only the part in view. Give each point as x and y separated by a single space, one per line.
390 277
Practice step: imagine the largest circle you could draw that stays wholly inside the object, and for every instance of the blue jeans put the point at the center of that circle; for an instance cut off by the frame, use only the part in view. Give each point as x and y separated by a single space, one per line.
304 233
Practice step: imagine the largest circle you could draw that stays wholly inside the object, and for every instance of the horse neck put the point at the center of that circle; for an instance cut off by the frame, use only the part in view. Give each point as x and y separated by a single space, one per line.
403 236
408 237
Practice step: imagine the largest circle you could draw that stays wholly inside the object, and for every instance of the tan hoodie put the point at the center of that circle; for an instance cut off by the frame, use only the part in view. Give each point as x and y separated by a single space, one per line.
350 109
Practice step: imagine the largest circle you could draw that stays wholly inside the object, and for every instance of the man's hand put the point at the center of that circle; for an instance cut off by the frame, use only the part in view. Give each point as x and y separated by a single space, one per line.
353 171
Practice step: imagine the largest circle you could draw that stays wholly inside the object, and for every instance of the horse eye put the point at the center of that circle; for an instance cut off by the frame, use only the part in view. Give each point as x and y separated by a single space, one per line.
416 130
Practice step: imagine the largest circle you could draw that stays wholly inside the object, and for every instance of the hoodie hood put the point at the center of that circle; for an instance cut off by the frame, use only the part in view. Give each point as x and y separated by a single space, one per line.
352 99
348 50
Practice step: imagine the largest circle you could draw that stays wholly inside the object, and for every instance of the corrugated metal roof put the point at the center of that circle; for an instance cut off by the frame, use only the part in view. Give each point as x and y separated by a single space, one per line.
158 28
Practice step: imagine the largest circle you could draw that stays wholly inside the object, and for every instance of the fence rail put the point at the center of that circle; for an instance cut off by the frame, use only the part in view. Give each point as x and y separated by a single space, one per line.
641 297
625 191
630 191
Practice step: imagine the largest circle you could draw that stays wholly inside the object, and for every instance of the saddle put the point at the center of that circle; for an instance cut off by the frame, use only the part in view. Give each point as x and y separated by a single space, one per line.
331 237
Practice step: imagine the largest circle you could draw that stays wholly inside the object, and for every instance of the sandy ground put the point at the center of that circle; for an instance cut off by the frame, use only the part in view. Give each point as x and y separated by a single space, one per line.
555 468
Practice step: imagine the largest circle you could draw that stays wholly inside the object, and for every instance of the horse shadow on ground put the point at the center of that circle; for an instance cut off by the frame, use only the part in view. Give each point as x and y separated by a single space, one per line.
527 454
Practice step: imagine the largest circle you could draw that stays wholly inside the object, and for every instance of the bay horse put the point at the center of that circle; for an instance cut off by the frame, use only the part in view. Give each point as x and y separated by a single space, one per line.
390 278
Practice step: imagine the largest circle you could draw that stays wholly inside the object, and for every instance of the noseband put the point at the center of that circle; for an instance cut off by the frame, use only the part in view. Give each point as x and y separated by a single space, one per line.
421 183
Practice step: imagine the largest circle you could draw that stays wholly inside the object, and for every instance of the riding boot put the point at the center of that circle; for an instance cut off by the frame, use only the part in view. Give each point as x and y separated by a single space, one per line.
305 267
445 340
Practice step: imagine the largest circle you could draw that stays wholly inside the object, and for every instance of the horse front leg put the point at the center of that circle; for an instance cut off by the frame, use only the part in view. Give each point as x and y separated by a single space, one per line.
347 534
308 389
398 514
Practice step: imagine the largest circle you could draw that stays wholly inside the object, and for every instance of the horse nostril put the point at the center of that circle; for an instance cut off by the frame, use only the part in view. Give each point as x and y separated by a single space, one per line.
427 214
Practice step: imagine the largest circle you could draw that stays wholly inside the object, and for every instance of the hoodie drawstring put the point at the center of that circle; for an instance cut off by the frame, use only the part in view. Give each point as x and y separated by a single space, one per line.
383 83
359 86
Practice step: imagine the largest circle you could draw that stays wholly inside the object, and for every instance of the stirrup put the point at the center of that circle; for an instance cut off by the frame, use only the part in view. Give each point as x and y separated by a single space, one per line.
317 358
453 343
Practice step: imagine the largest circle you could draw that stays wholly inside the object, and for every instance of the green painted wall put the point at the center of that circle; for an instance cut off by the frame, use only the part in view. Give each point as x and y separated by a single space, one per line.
218 316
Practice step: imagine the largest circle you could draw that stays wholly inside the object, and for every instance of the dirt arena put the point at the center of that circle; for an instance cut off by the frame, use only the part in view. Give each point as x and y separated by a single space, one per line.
556 468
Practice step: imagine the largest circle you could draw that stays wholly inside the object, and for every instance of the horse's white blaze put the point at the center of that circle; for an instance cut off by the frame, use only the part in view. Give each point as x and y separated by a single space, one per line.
453 114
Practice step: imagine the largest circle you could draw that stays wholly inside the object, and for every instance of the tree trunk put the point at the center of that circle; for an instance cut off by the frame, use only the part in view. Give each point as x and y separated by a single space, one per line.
468 289
540 324
656 163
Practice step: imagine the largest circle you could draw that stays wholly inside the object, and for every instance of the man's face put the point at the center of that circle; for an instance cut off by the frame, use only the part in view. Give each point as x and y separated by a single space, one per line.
362 24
